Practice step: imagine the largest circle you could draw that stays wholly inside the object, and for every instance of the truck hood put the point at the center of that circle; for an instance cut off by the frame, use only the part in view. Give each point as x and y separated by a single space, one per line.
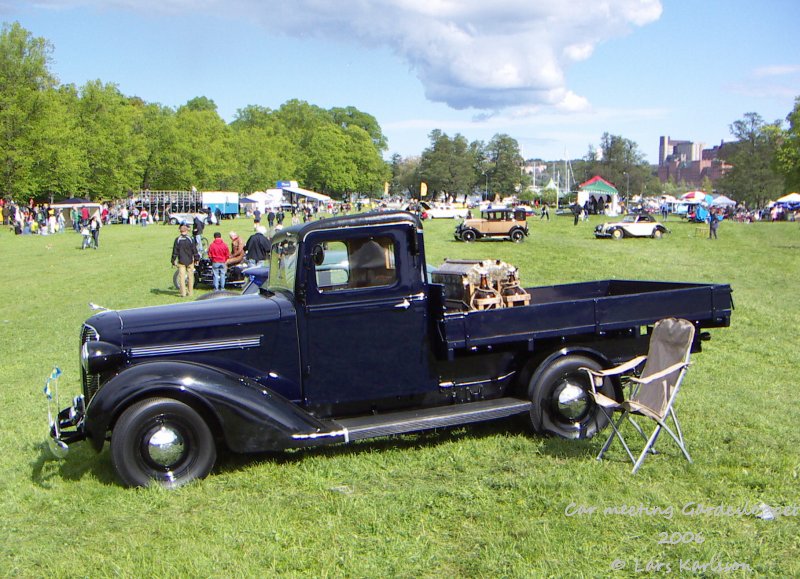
221 318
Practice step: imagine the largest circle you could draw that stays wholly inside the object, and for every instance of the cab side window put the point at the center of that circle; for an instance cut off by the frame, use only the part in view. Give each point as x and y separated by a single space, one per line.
355 263
372 262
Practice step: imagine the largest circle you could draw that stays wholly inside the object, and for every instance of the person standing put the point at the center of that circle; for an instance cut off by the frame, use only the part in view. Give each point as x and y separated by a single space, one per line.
198 225
219 253
94 228
257 247
545 212
184 257
576 212
713 225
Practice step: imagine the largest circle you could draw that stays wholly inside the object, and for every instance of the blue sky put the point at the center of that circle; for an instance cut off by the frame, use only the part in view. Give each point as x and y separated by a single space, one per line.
554 75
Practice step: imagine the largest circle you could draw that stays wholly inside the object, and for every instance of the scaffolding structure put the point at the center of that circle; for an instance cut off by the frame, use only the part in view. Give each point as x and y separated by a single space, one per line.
167 201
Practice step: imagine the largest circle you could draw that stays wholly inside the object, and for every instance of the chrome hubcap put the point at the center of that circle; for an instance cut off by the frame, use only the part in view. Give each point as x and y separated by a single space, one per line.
572 401
165 447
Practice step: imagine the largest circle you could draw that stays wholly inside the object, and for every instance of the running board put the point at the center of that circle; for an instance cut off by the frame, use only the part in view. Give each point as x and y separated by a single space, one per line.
438 417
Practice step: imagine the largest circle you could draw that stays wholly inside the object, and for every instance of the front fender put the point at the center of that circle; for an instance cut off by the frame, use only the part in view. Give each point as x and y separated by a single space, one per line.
248 416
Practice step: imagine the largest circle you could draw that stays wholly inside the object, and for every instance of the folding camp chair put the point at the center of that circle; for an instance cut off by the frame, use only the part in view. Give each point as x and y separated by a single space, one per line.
653 392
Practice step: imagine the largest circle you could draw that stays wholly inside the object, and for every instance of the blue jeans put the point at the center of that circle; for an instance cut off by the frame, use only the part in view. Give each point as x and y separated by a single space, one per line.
219 270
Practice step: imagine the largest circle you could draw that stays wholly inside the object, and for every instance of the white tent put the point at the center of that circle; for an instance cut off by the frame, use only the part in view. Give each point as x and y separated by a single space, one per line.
306 193
790 198
265 200
723 201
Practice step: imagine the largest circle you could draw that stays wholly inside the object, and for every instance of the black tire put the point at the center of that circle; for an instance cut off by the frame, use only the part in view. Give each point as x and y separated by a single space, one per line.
217 294
517 235
558 407
468 236
657 233
616 234
176 278
161 441
173 221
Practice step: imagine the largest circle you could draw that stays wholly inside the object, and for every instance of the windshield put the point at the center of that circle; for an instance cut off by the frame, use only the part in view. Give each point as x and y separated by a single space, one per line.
283 265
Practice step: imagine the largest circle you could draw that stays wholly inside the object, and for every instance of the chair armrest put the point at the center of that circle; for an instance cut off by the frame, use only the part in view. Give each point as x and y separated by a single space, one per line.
622 368
659 375
596 376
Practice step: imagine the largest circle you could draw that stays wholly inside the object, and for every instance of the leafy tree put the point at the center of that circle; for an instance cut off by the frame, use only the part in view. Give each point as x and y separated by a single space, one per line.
115 155
754 178
448 165
202 144
351 116
405 175
788 153
506 166
24 82
330 169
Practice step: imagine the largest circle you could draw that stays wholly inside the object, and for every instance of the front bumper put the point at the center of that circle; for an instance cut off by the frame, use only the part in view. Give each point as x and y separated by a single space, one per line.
66 427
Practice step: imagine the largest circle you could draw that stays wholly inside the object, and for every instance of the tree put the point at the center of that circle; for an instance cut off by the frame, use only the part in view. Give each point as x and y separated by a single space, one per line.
506 166
448 165
788 153
405 175
115 155
203 147
754 178
24 82
622 164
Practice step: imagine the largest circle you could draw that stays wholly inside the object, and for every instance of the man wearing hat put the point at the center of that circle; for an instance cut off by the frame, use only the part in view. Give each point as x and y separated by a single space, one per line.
184 257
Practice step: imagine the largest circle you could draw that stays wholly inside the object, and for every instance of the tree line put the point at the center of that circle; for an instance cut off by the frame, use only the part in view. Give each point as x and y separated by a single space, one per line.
96 142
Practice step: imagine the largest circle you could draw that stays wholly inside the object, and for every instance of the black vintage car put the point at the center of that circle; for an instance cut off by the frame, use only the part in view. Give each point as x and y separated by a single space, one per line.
203 276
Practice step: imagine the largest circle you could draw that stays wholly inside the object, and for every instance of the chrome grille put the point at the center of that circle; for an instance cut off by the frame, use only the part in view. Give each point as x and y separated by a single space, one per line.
91 382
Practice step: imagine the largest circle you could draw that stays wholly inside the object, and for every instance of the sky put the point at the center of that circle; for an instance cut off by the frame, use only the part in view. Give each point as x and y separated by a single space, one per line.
553 75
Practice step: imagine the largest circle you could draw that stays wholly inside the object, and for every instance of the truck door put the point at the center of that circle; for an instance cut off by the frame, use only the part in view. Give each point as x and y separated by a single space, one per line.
365 320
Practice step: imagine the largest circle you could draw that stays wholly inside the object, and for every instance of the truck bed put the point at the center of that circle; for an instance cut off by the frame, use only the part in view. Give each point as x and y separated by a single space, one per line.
589 307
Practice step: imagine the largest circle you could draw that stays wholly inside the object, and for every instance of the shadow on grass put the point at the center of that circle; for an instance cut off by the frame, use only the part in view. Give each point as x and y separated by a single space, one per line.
162 292
82 460
509 428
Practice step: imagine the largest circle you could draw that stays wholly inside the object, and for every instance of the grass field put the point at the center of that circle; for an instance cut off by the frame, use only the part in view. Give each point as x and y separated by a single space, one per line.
491 500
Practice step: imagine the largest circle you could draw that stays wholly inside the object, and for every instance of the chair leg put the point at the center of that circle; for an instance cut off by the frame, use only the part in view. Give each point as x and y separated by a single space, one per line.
618 434
647 446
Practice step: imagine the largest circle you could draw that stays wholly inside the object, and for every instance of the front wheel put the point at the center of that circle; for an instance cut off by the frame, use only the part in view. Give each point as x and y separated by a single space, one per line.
161 441
562 405
657 234
468 236
616 234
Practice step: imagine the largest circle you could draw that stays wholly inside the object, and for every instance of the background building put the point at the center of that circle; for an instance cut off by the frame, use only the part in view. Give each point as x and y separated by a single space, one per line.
689 162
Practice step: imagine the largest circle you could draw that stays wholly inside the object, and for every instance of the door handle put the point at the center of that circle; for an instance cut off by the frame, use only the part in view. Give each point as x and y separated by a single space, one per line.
405 304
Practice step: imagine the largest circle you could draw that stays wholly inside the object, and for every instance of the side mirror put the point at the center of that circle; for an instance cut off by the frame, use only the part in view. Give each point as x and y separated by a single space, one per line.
317 255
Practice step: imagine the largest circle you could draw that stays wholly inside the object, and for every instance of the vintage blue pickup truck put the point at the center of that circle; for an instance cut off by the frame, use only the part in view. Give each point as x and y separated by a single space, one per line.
323 355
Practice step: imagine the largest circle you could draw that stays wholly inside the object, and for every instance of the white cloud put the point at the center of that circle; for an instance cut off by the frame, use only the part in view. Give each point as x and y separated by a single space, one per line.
777 70
467 53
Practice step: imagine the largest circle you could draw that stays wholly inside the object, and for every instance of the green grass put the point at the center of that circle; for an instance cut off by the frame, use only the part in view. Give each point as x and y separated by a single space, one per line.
488 500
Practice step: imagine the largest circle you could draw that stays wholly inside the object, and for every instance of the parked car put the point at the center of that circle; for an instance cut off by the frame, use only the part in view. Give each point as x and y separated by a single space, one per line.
320 358
494 223
632 225
441 211
188 218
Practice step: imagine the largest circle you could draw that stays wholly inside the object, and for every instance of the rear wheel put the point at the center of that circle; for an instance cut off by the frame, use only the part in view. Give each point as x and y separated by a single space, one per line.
562 405
161 441
517 236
